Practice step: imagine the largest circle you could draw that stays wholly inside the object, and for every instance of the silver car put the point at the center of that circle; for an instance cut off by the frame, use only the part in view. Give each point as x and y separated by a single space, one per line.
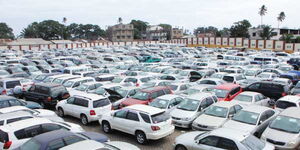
284 131
220 139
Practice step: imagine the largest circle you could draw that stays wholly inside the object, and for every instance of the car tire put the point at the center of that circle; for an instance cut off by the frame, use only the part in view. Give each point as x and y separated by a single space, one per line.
180 147
84 120
106 127
141 137
60 112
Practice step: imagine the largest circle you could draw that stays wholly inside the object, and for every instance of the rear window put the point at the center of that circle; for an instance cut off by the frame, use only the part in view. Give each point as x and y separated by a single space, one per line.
284 104
228 78
3 137
161 117
101 103
57 91
12 84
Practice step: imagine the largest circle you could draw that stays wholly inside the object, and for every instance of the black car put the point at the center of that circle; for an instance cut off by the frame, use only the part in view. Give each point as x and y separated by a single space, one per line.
46 94
272 90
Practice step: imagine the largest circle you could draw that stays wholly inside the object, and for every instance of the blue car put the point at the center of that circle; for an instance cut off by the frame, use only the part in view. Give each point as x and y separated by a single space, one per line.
60 138
8 101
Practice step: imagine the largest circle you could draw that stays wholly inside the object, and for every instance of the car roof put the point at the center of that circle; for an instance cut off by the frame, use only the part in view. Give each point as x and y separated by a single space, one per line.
80 79
230 133
290 98
257 108
153 89
13 108
91 83
90 96
145 108
52 135
86 144
226 86
4 97
48 84
249 93
168 96
24 123
291 112
16 114
10 79
200 96
226 104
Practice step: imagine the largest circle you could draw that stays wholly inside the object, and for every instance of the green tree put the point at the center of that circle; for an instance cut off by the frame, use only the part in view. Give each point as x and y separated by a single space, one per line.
297 40
167 28
5 31
240 29
267 33
225 32
209 29
288 38
280 18
139 27
262 11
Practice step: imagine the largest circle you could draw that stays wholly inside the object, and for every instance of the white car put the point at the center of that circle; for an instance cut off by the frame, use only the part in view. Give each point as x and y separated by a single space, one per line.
44 113
76 82
186 112
249 98
266 76
216 115
94 145
85 88
287 101
220 139
17 133
252 119
145 122
87 107
167 102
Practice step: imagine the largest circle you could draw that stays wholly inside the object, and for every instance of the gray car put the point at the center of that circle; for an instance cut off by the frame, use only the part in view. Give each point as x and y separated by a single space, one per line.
220 139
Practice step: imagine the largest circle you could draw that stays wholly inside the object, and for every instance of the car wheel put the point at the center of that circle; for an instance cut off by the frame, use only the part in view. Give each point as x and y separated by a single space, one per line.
106 127
180 147
141 137
60 112
84 120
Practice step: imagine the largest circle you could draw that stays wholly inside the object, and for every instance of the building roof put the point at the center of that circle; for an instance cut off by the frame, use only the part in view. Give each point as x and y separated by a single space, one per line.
62 41
29 41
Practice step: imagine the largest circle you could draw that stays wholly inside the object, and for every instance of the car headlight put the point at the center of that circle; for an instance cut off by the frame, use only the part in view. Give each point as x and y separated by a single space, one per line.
291 143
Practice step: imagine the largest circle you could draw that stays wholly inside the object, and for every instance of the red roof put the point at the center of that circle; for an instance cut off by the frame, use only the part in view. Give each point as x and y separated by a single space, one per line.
227 86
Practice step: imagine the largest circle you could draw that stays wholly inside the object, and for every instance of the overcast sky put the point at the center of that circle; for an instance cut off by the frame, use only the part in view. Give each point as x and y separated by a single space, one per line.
183 13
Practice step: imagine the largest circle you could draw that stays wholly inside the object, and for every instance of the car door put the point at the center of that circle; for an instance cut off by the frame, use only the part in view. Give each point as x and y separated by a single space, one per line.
119 119
257 100
228 144
29 95
132 122
67 107
80 106
255 87
207 143
264 121
264 100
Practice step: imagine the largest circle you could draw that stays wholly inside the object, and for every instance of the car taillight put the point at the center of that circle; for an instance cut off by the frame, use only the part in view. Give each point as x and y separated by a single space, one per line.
137 84
49 99
7 145
92 112
283 94
155 128
4 92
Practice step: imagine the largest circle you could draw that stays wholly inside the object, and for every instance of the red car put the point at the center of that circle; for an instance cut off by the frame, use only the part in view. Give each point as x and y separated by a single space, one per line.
147 95
227 92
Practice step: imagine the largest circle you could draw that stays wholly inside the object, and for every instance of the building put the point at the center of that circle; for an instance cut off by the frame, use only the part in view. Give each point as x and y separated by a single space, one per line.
255 33
120 33
156 33
177 33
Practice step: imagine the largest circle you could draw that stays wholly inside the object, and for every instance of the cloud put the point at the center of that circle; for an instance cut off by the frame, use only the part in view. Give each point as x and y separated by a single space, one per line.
187 13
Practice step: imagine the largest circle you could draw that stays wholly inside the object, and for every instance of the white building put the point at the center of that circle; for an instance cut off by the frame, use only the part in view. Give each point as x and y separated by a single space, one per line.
255 33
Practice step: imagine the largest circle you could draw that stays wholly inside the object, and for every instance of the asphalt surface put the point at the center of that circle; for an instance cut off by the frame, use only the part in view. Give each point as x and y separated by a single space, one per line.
161 144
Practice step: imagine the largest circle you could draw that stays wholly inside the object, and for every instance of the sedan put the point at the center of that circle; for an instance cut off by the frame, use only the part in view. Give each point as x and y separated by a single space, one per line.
248 98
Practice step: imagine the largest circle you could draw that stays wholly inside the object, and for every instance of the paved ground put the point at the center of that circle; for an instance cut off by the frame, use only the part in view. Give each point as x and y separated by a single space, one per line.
162 144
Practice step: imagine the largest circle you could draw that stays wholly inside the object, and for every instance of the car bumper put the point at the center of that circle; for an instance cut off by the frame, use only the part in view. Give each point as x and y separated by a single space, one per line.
182 124
93 118
204 128
160 134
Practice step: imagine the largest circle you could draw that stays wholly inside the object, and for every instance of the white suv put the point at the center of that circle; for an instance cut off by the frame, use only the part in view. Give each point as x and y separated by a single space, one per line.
17 133
145 122
87 107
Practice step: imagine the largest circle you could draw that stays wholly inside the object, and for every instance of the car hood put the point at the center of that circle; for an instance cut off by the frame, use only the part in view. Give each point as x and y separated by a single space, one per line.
44 113
211 121
239 125
178 113
95 136
123 145
132 101
188 137
33 105
281 136
73 92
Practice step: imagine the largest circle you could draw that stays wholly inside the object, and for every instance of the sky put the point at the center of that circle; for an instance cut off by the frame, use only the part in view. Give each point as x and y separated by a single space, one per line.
188 14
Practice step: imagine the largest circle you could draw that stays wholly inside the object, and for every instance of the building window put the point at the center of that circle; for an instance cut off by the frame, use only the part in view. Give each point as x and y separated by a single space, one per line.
128 37
254 34
123 37
260 45
118 37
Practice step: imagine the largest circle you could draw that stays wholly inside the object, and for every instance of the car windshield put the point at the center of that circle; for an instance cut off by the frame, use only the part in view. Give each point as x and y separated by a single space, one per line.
40 77
160 103
140 95
253 143
191 91
228 78
58 91
122 92
3 73
246 117
250 73
49 79
216 111
189 105
68 84
117 80
12 84
220 93
243 98
218 76
32 144
100 91
82 87
58 81
173 87
33 69
263 76
285 68
284 104
184 73
286 124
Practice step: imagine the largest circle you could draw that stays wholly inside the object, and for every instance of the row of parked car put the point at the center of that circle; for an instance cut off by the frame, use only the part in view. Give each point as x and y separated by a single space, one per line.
234 100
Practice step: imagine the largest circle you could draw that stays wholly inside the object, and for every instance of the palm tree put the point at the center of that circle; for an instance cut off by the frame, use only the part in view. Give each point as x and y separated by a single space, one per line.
266 33
64 20
120 20
280 18
262 12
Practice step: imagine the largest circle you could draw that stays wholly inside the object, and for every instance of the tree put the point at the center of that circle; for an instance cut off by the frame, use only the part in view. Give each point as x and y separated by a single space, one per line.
6 32
262 12
280 18
88 31
225 32
167 28
288 38
209 29
267 33
240 29
139 27
297 40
